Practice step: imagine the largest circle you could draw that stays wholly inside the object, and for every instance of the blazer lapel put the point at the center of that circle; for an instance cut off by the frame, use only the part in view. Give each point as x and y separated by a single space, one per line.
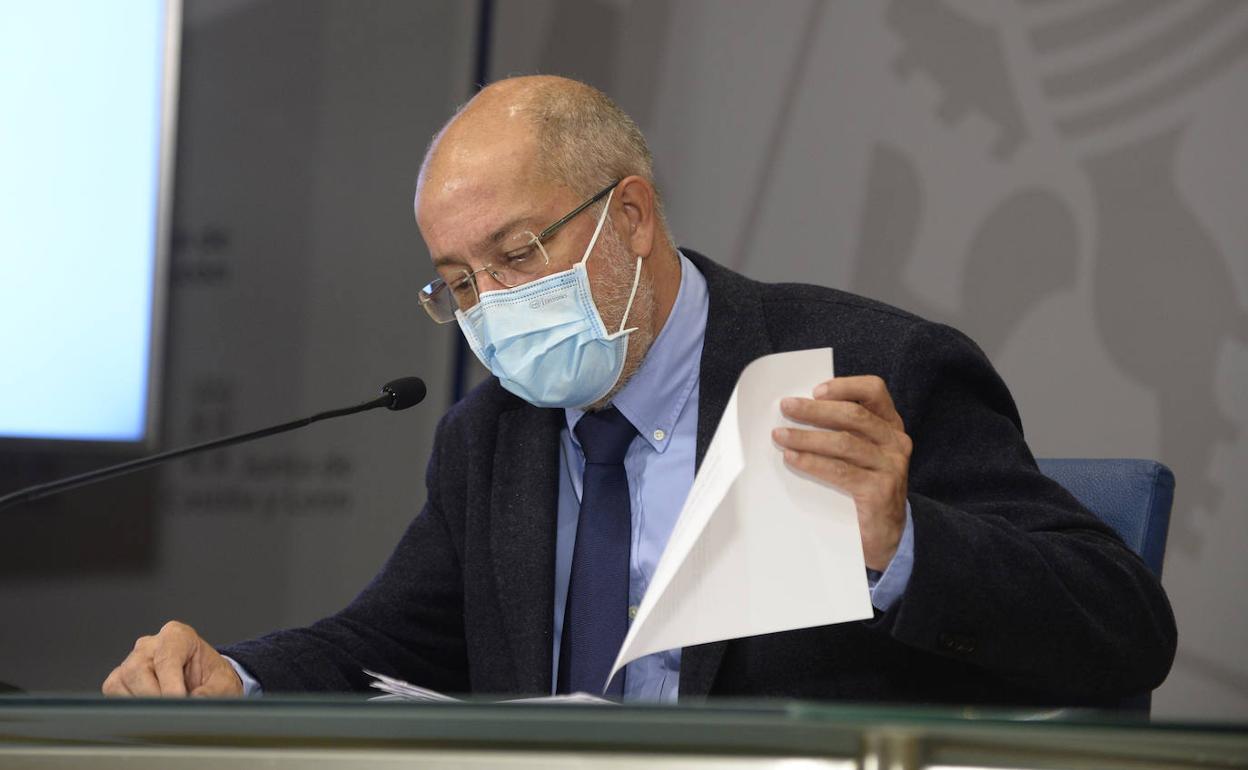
523 514
736 334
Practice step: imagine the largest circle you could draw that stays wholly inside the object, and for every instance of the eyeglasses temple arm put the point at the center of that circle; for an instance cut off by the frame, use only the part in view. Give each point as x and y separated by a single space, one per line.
549 231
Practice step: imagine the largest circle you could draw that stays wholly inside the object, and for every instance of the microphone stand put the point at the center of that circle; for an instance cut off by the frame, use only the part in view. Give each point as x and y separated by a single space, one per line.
396 395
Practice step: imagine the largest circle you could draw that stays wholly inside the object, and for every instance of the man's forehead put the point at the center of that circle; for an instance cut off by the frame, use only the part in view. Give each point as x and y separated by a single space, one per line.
473 193
480 182
472 162
466 220
463 216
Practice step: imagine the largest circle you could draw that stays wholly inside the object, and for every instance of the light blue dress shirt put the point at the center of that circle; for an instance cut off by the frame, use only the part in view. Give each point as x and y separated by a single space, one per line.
661 401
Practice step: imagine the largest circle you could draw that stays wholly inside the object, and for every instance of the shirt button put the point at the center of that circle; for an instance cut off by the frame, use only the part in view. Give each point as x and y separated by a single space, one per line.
659 435
632 612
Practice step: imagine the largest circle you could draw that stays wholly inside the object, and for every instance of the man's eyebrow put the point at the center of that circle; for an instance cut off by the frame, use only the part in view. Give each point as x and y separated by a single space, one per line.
493 239
447 261
496 237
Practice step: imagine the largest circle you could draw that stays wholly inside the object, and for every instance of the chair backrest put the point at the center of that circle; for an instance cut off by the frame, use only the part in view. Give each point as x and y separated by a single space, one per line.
1132 496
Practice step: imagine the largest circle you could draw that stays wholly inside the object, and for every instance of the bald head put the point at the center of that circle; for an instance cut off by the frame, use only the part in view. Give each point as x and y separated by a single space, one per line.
552 130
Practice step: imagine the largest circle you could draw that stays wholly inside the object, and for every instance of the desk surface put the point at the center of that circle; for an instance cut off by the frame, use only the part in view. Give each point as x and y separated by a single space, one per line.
343 732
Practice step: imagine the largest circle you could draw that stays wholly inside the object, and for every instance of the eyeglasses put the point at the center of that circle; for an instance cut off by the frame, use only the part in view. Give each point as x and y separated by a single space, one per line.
523 258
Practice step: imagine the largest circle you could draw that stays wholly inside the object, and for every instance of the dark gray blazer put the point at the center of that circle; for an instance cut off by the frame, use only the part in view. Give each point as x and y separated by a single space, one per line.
1018 595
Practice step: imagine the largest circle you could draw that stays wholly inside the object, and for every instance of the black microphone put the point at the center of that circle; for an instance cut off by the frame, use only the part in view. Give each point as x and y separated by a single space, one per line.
395 395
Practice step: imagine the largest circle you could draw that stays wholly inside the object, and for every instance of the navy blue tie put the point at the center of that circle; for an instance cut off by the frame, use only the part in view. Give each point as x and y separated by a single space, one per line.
596 618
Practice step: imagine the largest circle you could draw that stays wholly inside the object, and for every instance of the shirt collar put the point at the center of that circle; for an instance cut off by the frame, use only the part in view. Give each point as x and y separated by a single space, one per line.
657 393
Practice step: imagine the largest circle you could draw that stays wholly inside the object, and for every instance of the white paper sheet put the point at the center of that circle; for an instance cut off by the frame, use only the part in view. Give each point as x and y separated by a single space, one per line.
399 690
758 547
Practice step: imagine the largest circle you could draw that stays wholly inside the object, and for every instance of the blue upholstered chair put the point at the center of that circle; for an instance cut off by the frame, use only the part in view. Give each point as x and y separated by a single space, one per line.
1133 497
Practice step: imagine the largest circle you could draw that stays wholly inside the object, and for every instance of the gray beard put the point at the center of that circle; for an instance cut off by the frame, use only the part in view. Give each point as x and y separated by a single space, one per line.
611 298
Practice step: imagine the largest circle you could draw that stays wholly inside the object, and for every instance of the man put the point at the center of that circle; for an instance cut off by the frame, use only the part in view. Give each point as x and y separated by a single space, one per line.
553 488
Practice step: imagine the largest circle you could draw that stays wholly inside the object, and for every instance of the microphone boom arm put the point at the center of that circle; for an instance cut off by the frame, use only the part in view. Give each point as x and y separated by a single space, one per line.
398 394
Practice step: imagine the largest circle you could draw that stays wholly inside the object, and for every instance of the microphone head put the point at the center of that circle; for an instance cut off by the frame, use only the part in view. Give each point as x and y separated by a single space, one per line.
404 392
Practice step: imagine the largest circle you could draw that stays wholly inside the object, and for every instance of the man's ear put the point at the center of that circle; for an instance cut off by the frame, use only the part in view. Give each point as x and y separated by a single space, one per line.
638 224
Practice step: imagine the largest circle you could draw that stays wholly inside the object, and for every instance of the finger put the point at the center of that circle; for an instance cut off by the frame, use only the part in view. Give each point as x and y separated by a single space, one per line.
139 678
113 686
837 444
174 649
838 415
836 472
169 669
868 390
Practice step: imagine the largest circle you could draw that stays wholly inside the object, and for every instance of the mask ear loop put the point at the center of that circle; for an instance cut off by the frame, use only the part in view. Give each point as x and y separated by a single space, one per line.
602 219
632 295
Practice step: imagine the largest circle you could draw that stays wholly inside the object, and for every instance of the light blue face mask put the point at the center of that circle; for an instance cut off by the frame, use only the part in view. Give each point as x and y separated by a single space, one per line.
545 340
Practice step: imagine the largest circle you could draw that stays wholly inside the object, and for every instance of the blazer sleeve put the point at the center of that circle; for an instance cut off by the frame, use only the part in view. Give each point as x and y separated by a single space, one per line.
407 623
1010 572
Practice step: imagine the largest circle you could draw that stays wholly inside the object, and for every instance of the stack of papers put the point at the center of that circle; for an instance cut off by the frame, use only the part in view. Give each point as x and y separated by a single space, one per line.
398 690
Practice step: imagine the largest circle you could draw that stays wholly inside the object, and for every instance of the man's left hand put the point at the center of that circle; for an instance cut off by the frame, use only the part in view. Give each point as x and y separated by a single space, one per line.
862 449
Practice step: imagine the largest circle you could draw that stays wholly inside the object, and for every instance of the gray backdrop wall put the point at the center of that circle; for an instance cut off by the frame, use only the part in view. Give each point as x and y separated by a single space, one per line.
1065 181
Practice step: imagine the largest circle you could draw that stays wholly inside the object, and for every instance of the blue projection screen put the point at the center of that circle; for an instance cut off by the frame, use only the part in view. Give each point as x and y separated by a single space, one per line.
87 98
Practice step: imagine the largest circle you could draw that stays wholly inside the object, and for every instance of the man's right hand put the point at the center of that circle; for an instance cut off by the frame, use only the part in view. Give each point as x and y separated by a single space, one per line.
174 663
